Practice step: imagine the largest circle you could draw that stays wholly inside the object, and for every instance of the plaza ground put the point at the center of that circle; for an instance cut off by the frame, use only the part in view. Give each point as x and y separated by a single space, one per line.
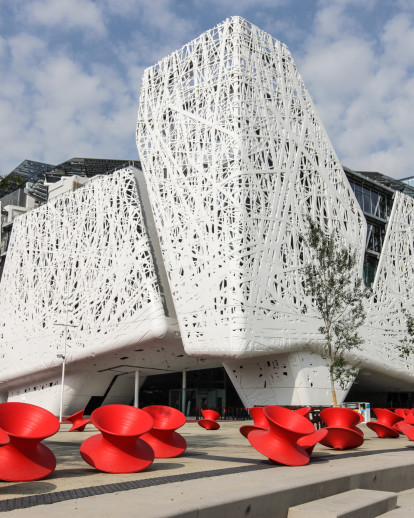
219 475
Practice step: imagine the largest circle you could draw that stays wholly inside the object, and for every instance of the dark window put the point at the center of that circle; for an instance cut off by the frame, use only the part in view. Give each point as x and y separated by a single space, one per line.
370 268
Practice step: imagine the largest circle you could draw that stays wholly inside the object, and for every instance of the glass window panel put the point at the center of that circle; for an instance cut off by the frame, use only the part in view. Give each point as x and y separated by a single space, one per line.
375 200
370 268
367 202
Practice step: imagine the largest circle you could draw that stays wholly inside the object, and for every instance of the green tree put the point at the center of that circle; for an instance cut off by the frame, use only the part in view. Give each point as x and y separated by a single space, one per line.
337 295
406 345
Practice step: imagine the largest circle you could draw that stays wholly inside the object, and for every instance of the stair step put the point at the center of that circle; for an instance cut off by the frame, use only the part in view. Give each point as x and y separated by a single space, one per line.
358 503
405 506
398 513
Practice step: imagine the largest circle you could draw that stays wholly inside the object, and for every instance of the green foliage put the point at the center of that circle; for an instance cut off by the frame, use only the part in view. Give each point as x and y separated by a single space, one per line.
337 295
10 183
406 345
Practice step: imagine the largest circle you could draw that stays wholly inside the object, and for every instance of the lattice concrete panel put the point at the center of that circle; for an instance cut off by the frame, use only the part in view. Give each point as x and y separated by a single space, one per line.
93 245
235 158
296 378
300 378
393 291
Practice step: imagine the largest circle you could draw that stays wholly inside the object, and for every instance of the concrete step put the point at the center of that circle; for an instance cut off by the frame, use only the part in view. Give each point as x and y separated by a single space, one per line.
405 506
358 503
400 512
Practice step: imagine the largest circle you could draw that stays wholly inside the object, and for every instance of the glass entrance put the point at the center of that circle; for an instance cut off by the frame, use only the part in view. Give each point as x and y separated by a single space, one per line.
190 401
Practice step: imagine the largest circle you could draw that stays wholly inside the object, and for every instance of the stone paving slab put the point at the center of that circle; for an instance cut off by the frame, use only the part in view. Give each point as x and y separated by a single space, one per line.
220 461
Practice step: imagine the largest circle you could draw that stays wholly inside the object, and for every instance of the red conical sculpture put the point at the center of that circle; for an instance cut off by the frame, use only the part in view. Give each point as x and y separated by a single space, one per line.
407 429
305 411
25 458
401 412
409 419
163 438
209 422
343 433
279 443
78 421
259 420
385 425
308 442
118 448
4 438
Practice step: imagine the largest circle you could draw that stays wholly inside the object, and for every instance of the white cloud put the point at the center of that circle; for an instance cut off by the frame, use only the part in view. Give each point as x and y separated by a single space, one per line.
60 98
65 15
238 7
51 107
362 84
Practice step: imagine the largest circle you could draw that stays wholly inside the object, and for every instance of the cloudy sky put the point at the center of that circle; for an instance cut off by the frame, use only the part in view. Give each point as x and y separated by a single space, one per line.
71 69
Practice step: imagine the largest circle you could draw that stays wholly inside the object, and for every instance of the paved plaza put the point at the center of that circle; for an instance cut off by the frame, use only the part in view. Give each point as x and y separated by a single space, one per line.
219 475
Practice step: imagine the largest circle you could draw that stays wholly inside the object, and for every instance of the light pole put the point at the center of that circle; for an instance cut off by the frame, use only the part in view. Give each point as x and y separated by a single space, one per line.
63 356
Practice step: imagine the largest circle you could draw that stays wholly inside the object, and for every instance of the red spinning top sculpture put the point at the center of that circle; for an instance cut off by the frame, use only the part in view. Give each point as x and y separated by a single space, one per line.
4 438
305 411
407 430
24 457
163 438
259 421
308 442
280 442
343 433
402 412
118 448
78 421
409 419
210 420
386 423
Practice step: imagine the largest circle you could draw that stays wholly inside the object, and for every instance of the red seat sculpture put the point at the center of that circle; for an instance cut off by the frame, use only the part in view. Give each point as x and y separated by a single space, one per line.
118 448
78 421
343 433
402 412
409 419
308 442
24 457
259 421
407 430
280 442
360 417
305 411
4 438
210 420
163 438
386 423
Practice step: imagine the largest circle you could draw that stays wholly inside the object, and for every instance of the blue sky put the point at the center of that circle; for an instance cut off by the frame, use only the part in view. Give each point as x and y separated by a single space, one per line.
71 70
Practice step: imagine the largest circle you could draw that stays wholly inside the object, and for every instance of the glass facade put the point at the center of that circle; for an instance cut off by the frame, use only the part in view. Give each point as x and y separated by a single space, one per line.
376 202
375 237
372 203
408 181
370 268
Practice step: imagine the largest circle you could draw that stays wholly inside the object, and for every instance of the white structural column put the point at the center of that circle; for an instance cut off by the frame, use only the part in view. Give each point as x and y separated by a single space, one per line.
184 393
136 389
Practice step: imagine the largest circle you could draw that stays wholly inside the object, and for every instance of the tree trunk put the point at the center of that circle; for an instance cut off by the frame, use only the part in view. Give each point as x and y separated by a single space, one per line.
333 390
335 402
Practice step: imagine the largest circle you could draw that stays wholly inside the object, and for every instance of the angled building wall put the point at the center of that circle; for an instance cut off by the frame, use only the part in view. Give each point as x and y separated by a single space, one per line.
236 158
85 258
393 293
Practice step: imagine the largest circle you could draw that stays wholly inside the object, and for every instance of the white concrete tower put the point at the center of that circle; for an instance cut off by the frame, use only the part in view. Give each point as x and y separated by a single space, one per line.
235 158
